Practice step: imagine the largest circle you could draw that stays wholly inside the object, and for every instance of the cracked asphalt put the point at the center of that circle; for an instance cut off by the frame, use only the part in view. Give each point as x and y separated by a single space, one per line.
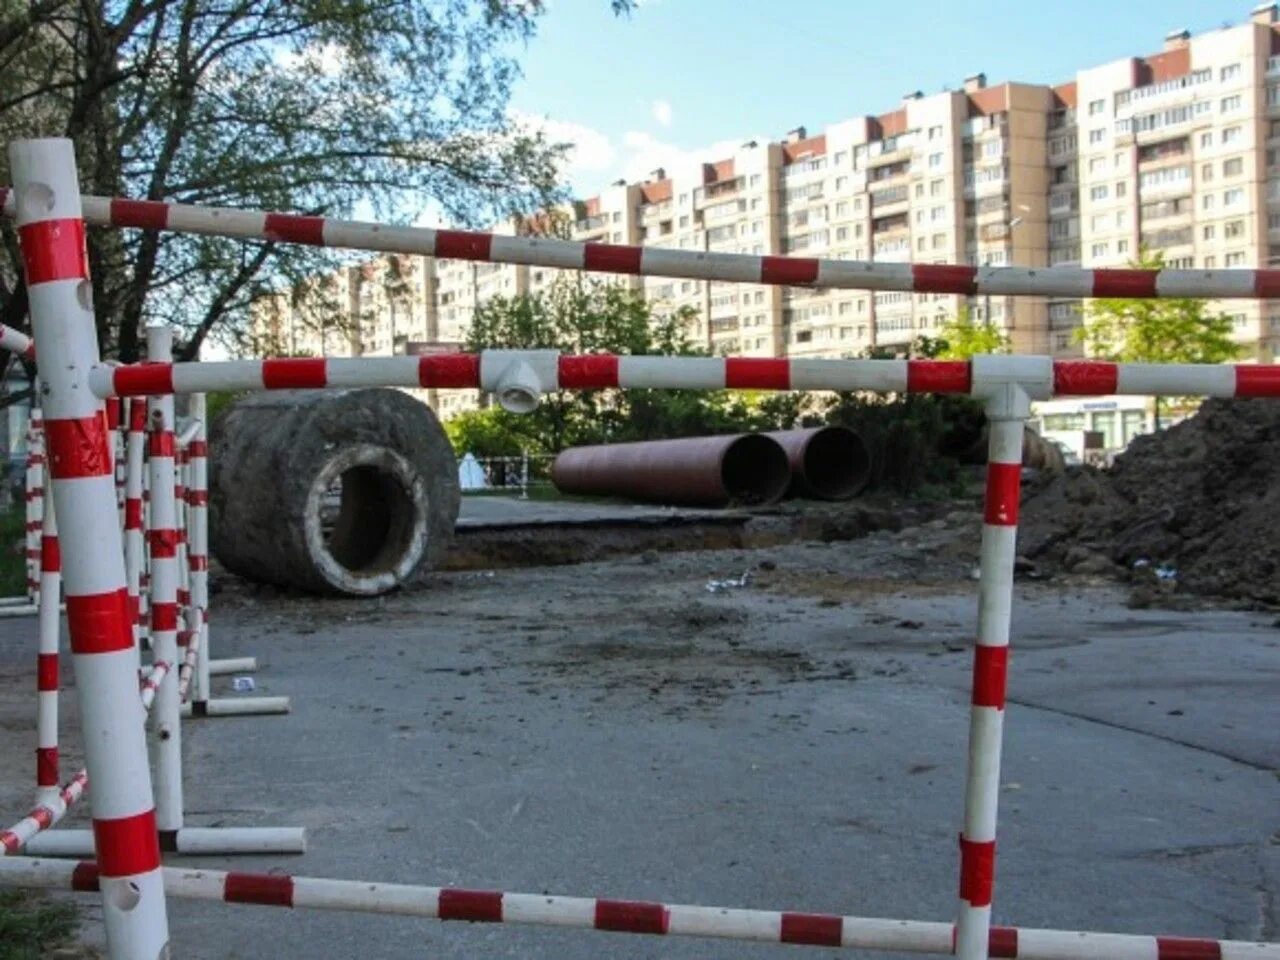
615 729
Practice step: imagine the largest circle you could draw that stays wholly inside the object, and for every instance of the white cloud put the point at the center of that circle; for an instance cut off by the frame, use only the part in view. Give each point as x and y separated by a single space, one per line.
591 154
644 153
662 112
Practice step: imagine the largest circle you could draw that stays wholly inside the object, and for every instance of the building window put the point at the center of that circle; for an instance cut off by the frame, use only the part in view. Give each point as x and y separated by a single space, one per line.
840 157
684 222
842 183
1096 107
684 198
935 133
1097 165
1122 189
1206 202
842 233
1229 72
1210 262
842 208
1235 260
1098 193
1095 136
1122 246
1233 167
935 160
1230 103
1233 230
1206 140
1098 250
1231 135
919 190
935 188
754 181
1208 232
1231 197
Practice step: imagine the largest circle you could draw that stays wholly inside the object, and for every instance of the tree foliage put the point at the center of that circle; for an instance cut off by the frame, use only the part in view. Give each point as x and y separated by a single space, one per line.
964 337
1168 330
585 316
324 107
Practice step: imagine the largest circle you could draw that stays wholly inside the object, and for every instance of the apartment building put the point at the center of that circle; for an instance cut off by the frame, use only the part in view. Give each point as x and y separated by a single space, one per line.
1172 151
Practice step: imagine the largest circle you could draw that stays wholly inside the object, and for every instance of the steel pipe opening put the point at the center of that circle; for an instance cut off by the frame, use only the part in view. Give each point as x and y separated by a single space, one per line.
827 463
739 470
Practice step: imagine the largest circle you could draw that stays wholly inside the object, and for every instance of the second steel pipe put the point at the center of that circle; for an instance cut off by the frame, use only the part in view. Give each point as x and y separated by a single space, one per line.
739 469
827 463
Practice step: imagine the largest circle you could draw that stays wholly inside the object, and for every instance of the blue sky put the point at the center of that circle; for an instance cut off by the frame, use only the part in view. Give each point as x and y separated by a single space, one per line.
690 77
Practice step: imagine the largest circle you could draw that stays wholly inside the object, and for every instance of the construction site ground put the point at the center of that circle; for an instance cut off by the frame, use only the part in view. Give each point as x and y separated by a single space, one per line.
616 729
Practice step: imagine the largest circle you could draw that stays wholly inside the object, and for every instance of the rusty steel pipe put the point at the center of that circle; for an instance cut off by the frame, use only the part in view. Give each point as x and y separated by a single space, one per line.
739 469
827 463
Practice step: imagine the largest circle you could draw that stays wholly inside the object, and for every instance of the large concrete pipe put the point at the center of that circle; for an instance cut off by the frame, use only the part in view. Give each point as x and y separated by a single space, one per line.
827 463
351 491
740 470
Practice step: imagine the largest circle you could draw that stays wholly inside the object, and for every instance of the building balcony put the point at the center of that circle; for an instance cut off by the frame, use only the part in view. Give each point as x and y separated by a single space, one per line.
718 191
889 196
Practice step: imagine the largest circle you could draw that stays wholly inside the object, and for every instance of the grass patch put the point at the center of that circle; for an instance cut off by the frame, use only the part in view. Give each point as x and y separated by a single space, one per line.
32 925
13 550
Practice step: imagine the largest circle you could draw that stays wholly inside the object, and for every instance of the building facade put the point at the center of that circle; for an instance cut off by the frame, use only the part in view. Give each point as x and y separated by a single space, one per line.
1176 152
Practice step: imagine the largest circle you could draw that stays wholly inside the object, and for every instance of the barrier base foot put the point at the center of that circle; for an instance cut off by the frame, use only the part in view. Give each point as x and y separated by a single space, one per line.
191 841
241 706
220 668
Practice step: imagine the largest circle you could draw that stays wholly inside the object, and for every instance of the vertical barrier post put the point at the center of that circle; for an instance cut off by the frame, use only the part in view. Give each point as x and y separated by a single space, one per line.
133 535
162 540
524 474
1007 412
51 231
47 785
198 546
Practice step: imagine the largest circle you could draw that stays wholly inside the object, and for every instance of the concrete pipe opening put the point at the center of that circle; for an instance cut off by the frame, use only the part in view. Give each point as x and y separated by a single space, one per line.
367 520
836 464
754 470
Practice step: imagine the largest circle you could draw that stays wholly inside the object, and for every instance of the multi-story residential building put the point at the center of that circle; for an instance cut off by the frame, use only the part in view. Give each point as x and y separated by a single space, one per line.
1175 152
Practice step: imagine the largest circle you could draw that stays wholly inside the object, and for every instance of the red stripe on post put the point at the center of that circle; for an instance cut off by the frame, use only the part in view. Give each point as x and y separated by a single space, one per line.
1266 284
99 623
46 766
142 214
113 412
43 816
990 675
54 250
163 543
138 406
611 258
449 370
939 376
47 672
588 372
757 373
198 498
463 244
142 379
164 616
294 373
9 840
84 877
133 513
788 270
977 871
78 448
631 916
161 443
259 888
1084 378
1124 283
196 562
944 278
198 448
127 845
1004 483
50 555
476 906
820 930
1254 380
292 228
1187 948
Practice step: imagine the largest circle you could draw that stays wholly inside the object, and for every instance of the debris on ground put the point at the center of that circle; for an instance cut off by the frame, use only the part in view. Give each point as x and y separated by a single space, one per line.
1194 508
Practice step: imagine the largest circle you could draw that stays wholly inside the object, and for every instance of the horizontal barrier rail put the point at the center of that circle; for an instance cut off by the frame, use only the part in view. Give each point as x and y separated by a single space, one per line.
631 916
596 371
686 264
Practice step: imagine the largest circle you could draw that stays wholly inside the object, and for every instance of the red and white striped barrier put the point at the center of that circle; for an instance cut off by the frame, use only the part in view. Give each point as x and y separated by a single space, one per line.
634 916
49 615
34 497
1066 378
51 233
15 341
134 538
47 812
685 264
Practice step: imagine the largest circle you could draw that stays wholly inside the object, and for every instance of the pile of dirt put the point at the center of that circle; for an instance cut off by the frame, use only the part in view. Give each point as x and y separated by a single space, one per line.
1194 508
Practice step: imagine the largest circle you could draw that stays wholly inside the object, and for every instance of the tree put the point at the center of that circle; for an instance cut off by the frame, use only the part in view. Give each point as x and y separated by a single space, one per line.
1168 330
577 315
963 338
325 107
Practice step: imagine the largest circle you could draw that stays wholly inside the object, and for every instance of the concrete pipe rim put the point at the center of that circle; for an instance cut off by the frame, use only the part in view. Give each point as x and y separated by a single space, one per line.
382 521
